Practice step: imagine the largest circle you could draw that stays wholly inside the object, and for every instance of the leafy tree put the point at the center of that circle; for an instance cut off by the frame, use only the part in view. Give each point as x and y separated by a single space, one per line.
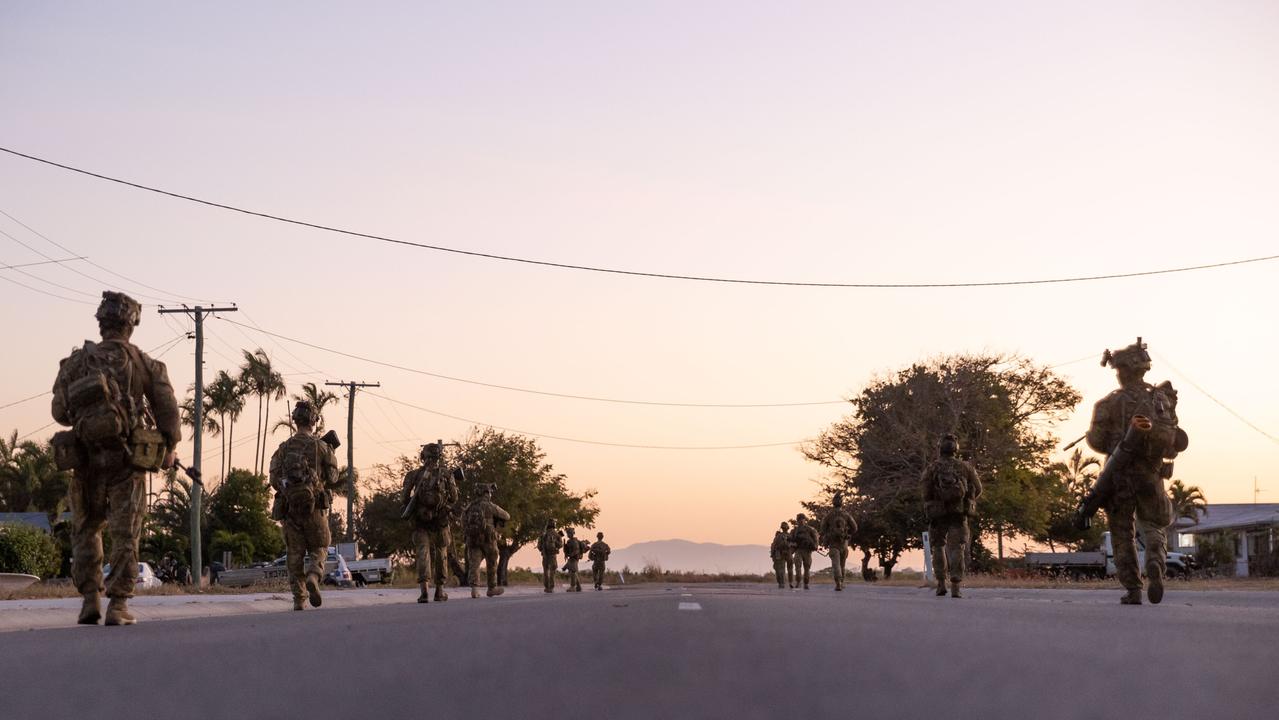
1000 407
1188 501
30 481
242 506
1077 476
166 530
527 487
28 550
378 525
239 544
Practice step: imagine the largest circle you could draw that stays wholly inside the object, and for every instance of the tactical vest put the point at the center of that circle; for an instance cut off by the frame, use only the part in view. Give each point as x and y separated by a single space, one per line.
299 467
104 387
950 484
478 524
432 499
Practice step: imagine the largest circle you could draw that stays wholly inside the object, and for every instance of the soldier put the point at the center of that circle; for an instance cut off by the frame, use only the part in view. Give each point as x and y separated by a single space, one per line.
574 549
951 488
779 551
429 494
792 564
1136 426
837 530
125 423
804 539
304 471
480 524
598 554
549 545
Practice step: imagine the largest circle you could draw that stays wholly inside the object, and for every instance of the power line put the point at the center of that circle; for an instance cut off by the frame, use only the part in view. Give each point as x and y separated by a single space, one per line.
42 262
33 432
579 440
23 400
45 292
1211 397
103 268
633 273
526 390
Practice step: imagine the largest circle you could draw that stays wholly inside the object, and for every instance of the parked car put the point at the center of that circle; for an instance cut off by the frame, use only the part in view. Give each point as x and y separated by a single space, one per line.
147 578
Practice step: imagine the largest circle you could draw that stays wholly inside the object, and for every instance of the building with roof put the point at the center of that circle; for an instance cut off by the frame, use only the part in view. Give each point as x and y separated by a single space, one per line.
1252 527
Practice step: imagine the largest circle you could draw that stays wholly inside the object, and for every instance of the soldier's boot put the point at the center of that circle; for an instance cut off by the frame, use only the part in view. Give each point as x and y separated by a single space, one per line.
954 589
440 595
90 613
941 587
495 591
313 590
475 593
1132 597
425 595
1155 586
805 584
118 612
298 604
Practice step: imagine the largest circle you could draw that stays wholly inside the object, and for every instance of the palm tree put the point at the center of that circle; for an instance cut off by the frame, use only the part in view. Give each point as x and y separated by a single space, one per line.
261 379
30 480
225 397
1188 501
1081 473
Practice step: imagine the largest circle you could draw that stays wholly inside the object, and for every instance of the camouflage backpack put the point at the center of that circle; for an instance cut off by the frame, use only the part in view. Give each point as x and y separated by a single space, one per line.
806 538
549 542
300 470
478 525
780 547
432 501
98 379
949 483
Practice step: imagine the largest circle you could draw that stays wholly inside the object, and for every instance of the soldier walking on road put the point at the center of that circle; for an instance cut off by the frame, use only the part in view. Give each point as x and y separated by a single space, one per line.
598 555
574 549
481 525
1136 426
951 489
837 530
804 539
549 545
779 551
303 470
125 423
429 495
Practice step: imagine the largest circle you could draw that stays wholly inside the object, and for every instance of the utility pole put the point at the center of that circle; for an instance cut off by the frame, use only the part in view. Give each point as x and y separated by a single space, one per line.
350 450
197 490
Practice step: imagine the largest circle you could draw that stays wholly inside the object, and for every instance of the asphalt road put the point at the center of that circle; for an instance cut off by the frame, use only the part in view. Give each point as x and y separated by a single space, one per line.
670 652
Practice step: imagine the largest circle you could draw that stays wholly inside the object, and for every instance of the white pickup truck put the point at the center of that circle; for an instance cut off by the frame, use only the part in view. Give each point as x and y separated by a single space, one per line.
1101 563
338 570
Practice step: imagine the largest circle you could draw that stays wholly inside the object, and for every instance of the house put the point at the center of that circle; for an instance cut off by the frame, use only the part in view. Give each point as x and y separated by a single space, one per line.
1253 527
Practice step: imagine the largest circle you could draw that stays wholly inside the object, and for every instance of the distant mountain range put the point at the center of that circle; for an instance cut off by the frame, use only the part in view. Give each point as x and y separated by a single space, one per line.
682 555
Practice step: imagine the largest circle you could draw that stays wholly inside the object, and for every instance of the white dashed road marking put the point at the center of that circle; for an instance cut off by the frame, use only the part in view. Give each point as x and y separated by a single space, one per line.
689 606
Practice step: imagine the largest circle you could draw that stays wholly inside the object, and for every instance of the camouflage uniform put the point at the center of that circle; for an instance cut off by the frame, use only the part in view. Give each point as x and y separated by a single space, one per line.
598 554
779 551
549 545
837 529
1133 494
574 549
481 521
432 504
803 538
950 488
106 490
304 471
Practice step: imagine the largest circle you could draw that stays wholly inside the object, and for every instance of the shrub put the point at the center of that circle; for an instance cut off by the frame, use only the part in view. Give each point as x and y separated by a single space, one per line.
28 550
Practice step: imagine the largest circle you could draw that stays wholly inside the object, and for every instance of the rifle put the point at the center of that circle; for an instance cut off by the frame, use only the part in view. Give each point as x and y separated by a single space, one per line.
1120 458
459 476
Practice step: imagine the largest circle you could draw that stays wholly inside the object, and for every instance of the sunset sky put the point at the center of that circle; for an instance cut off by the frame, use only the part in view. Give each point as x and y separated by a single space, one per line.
844 142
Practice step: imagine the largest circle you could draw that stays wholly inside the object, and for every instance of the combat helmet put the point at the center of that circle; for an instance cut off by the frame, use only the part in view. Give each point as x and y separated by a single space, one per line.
431 451
118 310
304 413
1132 357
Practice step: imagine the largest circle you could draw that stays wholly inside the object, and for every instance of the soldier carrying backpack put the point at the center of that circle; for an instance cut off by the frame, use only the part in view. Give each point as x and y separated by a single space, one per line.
598 555
481 524
549 545
124 423
429 494
574 549
304 470
951 489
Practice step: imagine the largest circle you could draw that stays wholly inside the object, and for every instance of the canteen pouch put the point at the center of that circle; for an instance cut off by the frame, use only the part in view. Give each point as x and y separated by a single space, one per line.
67 452
146 449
